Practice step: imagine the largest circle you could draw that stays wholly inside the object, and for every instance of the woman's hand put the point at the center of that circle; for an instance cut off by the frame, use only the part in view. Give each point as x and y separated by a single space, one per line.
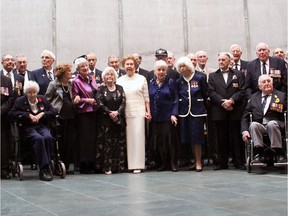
148 116
36 118
114 115
76 100
91 101
174 120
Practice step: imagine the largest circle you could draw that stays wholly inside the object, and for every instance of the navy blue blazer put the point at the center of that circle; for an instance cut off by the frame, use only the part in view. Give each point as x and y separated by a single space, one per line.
21 110
40 76
218 90
192 95
163 100
275 111
276 65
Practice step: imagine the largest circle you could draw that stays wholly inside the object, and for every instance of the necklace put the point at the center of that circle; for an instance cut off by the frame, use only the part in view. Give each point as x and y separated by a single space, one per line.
64 89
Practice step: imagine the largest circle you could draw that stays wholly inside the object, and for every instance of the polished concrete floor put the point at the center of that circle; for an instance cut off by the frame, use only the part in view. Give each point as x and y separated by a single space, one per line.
216 193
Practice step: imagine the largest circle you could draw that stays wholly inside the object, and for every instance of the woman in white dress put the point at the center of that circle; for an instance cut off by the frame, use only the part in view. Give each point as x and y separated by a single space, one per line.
136 110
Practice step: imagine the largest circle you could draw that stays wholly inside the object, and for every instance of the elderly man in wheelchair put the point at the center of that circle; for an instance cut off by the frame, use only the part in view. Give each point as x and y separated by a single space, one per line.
263 116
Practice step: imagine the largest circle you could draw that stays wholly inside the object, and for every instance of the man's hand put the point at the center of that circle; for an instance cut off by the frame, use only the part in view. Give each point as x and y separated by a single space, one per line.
246 136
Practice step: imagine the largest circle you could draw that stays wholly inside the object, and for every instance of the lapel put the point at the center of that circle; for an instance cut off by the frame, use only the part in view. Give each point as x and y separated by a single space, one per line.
230 77
220 79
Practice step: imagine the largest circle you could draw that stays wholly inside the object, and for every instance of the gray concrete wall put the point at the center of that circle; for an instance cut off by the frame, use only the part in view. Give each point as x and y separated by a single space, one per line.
74 27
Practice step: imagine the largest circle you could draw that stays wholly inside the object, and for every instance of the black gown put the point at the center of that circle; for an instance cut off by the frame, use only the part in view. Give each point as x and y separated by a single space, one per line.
111 138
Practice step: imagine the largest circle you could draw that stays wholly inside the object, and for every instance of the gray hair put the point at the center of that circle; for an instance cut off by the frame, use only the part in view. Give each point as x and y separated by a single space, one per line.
235 45
31 84
160 63
264 76
108 69
47 52
186 61
79 61
262 44
200 52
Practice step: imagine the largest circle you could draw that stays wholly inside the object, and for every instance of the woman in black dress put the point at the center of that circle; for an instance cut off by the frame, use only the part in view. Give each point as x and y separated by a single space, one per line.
111 140
59 94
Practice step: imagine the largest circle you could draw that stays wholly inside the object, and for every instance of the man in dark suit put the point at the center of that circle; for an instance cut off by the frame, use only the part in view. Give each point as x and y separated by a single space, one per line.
113 61
264 64
45 74
226 91
267 107
21 67
162 54
239 64
6 137
16 79
139 70
92 60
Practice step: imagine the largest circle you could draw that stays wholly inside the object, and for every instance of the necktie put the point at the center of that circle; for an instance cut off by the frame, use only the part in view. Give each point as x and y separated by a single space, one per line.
264 68
9 74
236 66
50 76
264 102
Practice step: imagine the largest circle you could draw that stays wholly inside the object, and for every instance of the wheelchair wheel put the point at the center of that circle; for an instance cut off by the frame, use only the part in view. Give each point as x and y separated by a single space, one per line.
20 171
248 164
13 168
61 169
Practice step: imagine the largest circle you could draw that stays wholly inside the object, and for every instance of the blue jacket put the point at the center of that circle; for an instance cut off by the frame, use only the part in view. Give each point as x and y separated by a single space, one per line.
192 95
163 100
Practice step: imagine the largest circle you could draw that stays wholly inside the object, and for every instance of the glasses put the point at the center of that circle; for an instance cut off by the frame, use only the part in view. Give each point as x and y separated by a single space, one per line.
8 59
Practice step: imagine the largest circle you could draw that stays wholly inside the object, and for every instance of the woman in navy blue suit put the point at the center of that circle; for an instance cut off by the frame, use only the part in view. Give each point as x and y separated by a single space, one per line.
164 109
34 112
192 92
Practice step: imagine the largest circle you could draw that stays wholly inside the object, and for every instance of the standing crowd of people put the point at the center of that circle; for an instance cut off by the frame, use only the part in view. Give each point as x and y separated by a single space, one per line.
128 118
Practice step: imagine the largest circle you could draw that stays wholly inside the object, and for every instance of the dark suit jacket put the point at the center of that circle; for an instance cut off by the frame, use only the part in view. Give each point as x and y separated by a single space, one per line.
243 66
22 109
17 85
98 75
40 76
254 107
195 104
219 90
144 73
121 72
254 71
6 96
28 73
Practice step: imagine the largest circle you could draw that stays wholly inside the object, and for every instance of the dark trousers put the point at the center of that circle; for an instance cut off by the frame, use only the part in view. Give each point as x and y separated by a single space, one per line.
41 140
228 131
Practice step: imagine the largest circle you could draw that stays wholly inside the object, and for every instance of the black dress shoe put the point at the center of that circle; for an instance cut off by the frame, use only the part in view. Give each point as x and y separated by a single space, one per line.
45 175
240 166
174 168
5 174
217 167
192 167
199 170
33 166
281 159
162 168
258 159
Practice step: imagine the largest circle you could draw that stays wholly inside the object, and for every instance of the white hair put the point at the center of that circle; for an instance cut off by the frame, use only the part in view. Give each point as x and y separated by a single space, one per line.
264 76
160 63
108 69
30 84
47 52
186 61
79 61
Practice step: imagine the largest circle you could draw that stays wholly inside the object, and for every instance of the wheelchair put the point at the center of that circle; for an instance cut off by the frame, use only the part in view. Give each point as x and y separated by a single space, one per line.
20 152
268 151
